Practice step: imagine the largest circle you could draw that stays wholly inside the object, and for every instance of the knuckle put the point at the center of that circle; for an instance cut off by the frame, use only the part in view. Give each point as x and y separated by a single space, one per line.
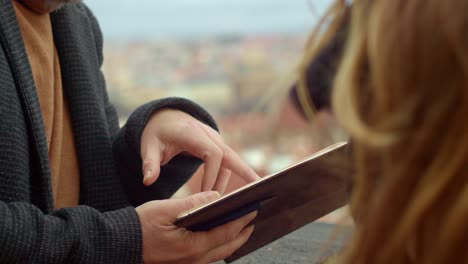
201 200
197 200
229 157
227 172
180 129
185 127
191 202
218 136
147 163
219 152
215 152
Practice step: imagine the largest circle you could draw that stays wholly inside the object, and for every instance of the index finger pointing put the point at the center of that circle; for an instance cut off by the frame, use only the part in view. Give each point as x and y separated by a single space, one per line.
231 159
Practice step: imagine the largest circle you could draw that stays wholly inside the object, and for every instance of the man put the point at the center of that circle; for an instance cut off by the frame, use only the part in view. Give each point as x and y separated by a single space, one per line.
69 177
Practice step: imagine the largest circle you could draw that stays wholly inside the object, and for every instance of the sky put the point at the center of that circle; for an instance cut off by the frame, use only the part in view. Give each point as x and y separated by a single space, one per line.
153 19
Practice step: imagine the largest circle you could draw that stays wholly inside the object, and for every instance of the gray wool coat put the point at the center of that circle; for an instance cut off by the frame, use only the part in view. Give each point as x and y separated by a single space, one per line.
105 227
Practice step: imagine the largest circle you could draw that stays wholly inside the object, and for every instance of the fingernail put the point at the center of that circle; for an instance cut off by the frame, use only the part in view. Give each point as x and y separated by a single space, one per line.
253 175
147 176
215 194
254 215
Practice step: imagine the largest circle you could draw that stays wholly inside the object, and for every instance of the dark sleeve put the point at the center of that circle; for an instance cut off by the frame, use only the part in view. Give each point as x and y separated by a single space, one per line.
126 143
321 72
73 235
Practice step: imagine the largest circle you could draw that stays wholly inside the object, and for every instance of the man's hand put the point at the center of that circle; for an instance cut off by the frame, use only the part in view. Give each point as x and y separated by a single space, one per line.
171 132
163 242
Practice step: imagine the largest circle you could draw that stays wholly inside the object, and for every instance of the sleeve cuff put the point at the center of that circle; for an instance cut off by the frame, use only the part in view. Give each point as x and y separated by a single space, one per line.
126 235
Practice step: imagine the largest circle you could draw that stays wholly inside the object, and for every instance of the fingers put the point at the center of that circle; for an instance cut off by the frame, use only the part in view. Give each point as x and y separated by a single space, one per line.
222 180
183 133
212 160
179 206
151 158
201 146
221 235
163 242
225 251
230 159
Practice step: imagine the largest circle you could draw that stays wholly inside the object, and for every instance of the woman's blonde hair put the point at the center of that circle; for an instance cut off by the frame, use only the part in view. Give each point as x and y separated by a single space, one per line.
401 92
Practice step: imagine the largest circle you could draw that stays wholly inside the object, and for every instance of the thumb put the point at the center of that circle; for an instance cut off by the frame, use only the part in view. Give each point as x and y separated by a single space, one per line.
185 204
151 160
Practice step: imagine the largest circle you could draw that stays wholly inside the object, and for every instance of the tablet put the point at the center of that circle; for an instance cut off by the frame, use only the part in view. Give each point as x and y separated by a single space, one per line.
285 201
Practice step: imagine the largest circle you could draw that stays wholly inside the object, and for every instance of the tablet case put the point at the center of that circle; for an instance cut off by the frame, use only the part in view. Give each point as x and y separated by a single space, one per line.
285 201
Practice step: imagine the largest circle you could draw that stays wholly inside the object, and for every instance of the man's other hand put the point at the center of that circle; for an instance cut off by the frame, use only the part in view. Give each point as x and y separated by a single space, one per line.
171 132
163 242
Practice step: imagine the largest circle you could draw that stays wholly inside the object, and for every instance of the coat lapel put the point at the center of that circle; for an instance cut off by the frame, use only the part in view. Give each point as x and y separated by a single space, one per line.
15 52
83 85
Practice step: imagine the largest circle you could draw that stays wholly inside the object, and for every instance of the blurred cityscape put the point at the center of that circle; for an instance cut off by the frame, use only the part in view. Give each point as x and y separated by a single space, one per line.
226 74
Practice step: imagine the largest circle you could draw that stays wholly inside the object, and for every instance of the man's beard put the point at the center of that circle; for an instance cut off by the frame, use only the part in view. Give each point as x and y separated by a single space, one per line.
46 6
